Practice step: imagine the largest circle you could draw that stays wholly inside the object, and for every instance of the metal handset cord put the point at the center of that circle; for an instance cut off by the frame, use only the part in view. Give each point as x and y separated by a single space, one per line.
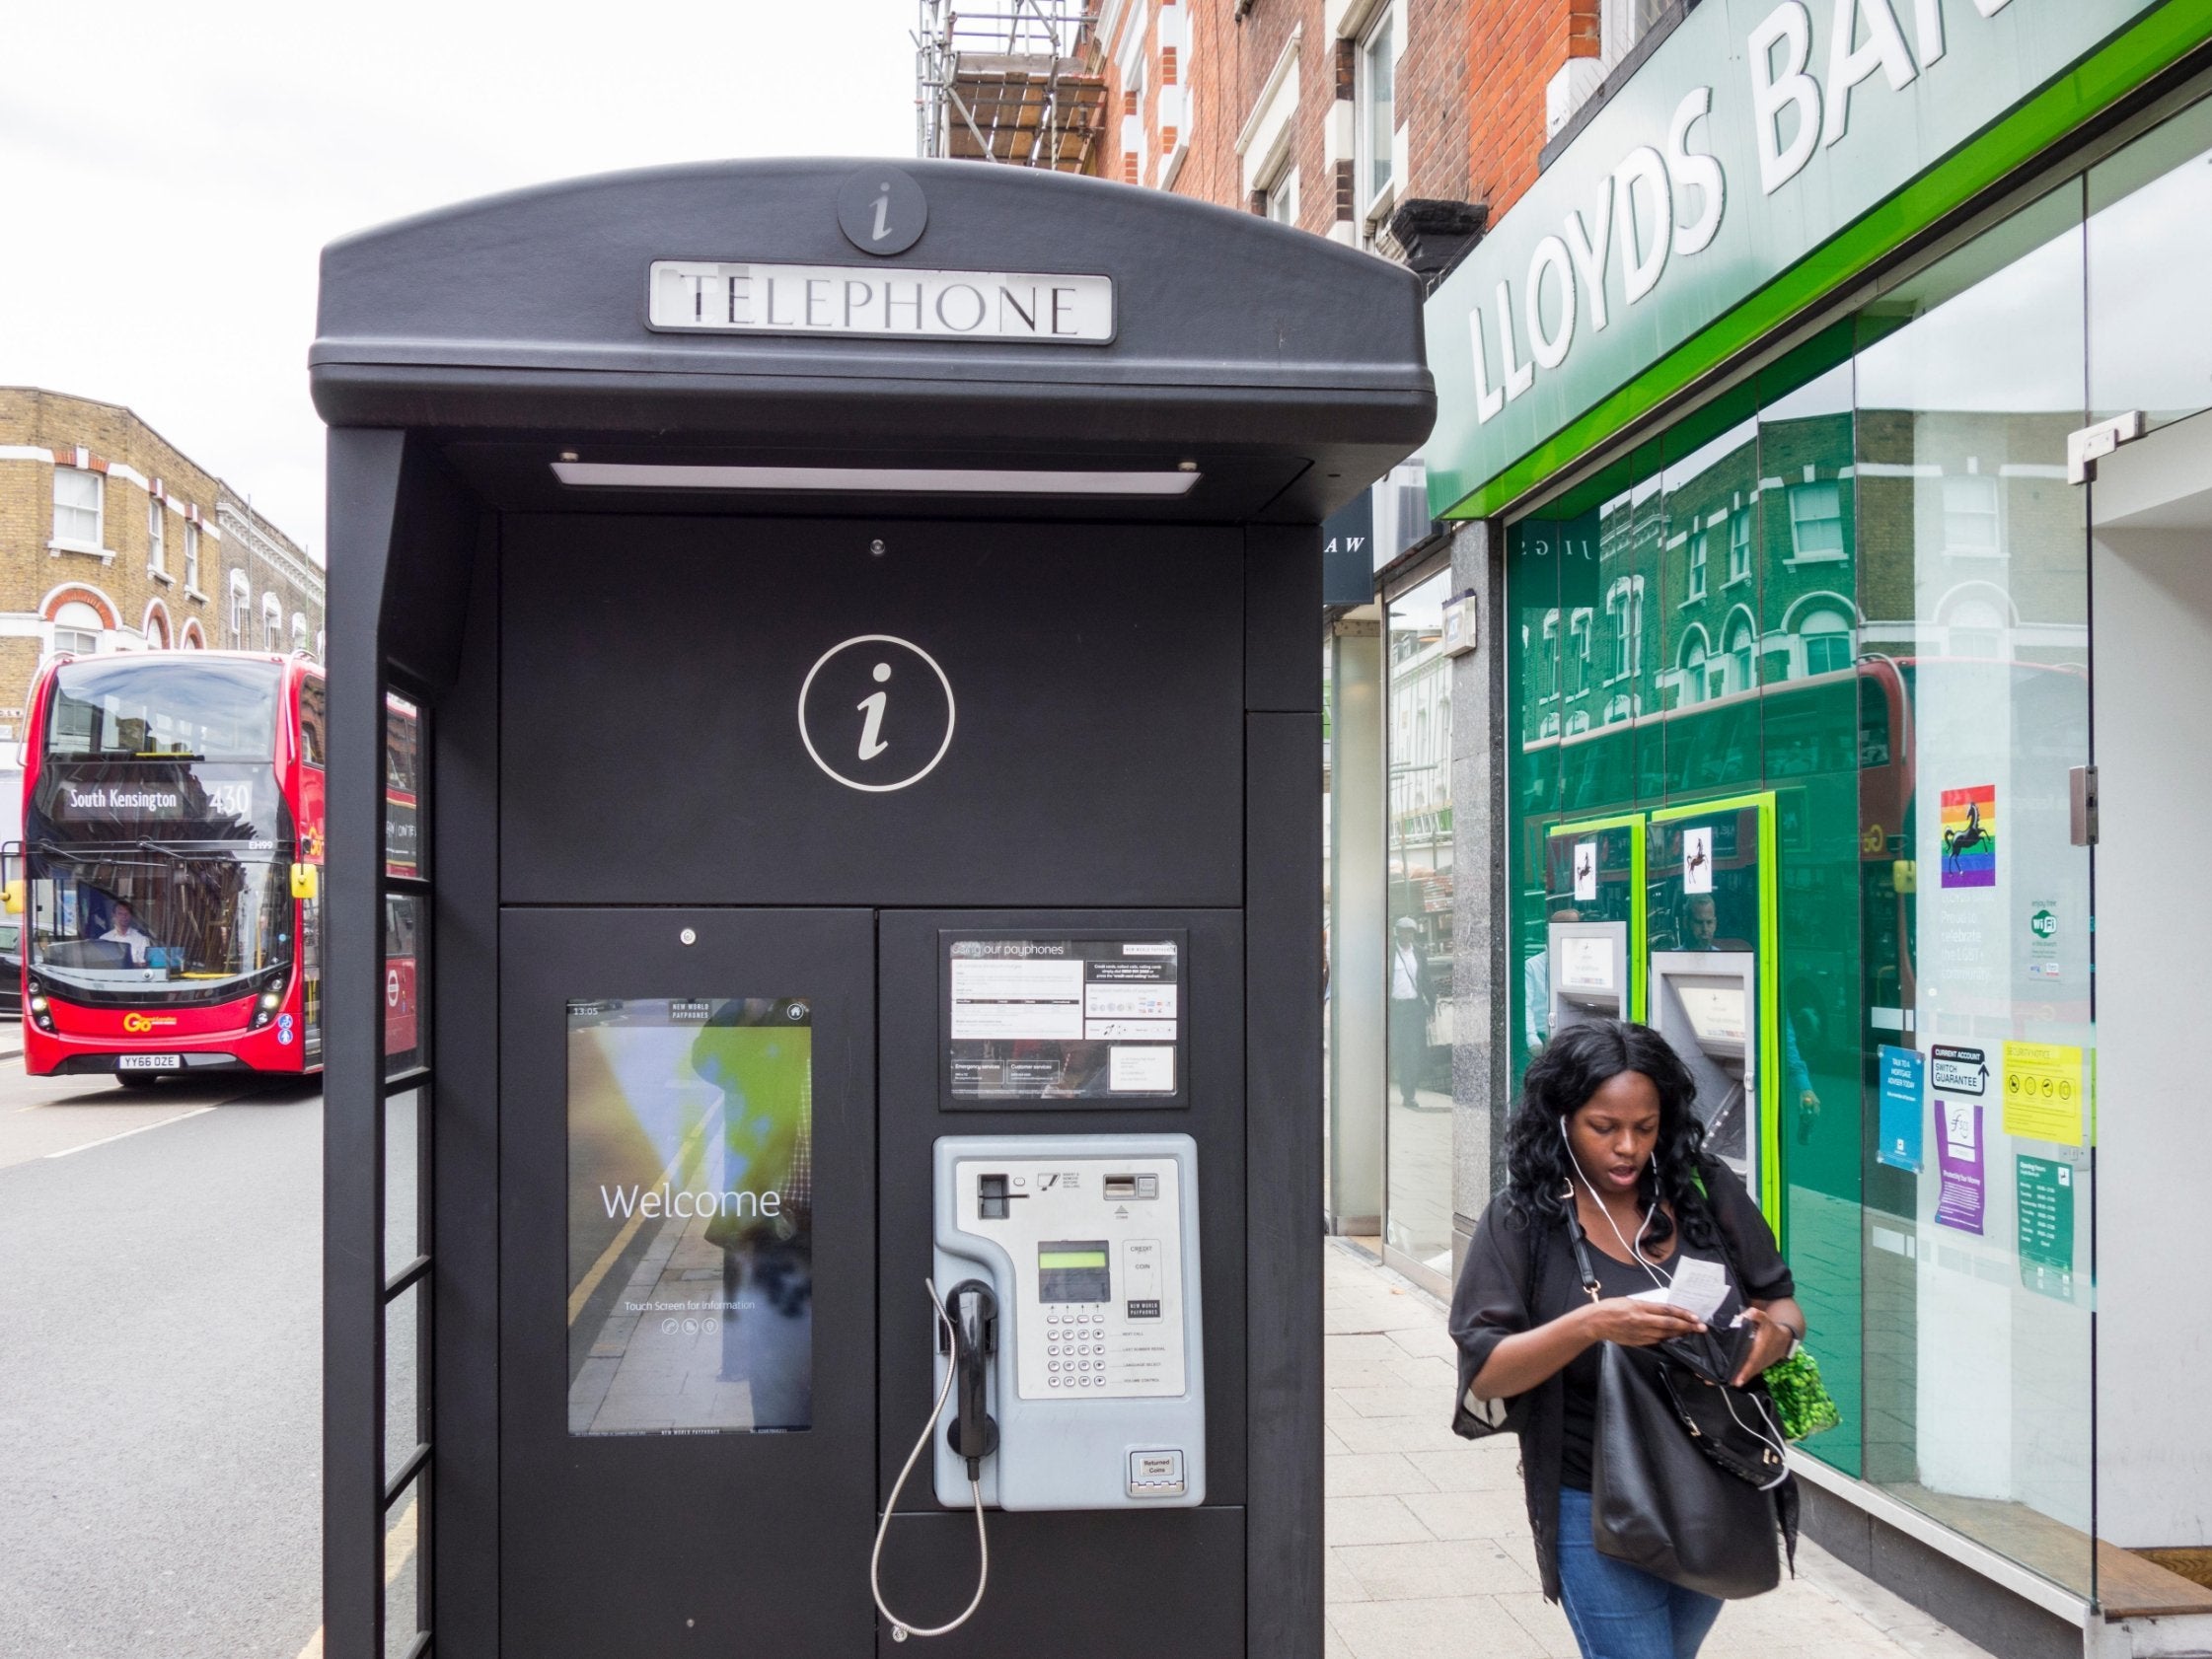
900 1628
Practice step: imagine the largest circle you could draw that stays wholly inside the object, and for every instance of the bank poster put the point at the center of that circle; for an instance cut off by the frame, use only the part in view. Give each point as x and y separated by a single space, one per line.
1064 1017
2044 1092
2044 1193
1962 1199
1904 1088
690 1250
1969 824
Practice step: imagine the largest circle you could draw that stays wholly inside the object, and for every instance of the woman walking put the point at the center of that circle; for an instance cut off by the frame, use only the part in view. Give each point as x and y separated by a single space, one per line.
1605 1141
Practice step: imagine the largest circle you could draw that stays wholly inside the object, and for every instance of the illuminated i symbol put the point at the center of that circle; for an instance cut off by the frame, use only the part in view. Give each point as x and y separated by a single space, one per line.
882 215
874 703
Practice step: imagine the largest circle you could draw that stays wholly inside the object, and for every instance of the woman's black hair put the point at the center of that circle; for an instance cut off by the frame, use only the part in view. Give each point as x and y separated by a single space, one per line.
1576 1063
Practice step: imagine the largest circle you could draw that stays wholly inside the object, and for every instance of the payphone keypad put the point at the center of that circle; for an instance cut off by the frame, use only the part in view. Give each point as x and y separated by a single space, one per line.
1097 1255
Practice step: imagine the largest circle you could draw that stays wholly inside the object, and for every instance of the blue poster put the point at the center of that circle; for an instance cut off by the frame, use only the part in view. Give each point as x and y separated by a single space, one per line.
1904 1088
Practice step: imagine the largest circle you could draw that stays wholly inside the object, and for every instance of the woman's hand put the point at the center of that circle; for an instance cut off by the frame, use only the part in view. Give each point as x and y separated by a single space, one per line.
1770 1342
1633 1324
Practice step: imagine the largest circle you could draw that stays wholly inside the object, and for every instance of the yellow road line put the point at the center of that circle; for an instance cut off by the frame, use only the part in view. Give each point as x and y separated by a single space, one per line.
399 1550
613 1252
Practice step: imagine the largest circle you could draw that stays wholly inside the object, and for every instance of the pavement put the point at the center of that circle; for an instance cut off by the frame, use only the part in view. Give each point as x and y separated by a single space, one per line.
1429 1551
160 1368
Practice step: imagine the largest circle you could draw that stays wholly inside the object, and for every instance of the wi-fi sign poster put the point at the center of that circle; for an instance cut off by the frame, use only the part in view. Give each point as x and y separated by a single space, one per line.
1969 818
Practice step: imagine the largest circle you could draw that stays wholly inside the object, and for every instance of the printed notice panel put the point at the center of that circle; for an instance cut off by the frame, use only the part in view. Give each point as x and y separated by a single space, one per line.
691 1209
1064 1017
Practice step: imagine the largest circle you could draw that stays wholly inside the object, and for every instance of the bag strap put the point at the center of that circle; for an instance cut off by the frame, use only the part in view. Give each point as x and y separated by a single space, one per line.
1580 1247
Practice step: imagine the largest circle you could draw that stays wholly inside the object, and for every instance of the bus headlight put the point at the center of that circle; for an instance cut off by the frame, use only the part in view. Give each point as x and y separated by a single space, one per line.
264 1009
40 1015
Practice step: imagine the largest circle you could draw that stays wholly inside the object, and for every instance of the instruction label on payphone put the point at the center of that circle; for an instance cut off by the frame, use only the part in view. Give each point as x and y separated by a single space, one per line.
1064 1017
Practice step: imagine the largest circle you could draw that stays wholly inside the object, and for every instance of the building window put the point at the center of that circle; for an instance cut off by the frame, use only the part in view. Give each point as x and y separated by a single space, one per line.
77 498
1547 661
1700 548
1970 527
1827 641
1624 614
192 555
272 622
1741 667
241 598
1280 200
1577 652
299 631
313 699
1977 629
157 535
77 629
1374 113
1739 545
1817 520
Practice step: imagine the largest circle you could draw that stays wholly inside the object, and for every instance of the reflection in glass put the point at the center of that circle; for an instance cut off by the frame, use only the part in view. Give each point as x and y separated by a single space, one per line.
1975 587
403 788
404 1427
2150 243
405 1614
403 1145
407 983
1418 971
691 1216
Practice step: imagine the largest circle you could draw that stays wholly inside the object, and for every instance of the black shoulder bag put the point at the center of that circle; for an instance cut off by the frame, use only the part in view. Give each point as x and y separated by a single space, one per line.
1687 1477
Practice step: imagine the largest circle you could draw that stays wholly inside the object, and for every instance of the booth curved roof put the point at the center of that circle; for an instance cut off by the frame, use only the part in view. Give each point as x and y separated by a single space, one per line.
1235 340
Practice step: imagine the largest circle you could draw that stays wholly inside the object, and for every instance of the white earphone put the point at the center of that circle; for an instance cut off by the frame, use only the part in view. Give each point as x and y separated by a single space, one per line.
1634 1246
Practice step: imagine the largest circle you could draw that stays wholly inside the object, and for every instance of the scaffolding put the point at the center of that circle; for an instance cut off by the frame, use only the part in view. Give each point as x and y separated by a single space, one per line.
1022 83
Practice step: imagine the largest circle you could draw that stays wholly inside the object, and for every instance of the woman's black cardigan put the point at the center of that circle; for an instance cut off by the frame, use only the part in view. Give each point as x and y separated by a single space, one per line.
1519 1274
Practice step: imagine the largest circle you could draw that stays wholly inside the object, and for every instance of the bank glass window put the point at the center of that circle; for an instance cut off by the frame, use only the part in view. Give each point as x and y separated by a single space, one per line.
1423 1020
1847 752
2149 245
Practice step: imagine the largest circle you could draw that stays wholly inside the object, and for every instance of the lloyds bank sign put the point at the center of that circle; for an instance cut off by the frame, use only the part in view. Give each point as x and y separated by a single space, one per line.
1759 134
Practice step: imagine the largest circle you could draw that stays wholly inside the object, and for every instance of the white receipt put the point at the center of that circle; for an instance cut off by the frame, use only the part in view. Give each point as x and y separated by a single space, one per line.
1700 1286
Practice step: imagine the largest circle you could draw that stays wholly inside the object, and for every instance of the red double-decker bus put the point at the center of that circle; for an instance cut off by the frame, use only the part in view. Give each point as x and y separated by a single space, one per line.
172 854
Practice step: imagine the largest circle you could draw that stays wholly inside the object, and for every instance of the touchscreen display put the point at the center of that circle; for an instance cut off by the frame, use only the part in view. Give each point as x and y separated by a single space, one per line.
690 1256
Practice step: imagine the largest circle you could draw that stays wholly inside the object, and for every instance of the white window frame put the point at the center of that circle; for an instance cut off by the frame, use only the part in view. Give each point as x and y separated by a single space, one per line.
272 622
157 536
1369 193
1701 552
71 636
299 631
65 542
1989 508
191 557
1799 553
1279 197
1739 546
242 607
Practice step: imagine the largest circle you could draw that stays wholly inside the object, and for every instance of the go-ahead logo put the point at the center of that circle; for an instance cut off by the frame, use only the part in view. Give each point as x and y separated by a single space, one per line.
138 1025
876 712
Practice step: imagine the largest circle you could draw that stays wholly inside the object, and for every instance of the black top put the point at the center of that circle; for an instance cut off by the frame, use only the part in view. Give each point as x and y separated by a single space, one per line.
1617 1278
1519 1274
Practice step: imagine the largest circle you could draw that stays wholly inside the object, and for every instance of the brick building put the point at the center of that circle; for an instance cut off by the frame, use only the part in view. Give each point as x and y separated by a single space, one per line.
1399 125
113 539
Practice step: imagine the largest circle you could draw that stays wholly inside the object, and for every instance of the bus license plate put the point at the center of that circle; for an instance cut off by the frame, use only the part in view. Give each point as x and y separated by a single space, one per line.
150 1062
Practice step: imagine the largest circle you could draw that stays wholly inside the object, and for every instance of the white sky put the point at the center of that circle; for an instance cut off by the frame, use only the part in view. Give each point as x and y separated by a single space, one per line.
170 171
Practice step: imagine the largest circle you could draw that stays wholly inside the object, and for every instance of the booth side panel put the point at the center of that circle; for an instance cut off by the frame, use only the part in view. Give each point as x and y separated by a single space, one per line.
364 485
1282 1161
463 1131
1281 618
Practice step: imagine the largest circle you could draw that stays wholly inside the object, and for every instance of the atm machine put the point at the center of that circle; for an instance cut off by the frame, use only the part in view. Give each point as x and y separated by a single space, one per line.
1588 963
1706 1004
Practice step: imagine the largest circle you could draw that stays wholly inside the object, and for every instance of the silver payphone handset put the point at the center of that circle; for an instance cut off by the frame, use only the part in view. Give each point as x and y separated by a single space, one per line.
1070 1325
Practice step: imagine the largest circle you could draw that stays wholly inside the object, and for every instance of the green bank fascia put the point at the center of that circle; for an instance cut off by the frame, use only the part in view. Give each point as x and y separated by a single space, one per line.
2147 47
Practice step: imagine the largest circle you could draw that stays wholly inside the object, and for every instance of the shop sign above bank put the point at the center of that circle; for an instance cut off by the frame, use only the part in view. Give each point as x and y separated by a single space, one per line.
1754 135
891 302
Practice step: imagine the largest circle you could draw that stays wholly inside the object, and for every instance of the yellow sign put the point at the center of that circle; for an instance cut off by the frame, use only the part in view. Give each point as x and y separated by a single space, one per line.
2044 1092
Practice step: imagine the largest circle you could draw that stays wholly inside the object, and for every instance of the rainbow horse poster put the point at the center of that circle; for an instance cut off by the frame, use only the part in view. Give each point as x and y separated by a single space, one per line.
1970 837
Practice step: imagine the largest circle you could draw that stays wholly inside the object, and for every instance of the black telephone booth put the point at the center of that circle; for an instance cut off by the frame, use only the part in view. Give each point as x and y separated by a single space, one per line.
823 660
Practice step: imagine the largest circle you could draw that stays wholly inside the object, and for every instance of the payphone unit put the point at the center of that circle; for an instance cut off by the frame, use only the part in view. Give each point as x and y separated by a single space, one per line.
1089 1243
1706 1004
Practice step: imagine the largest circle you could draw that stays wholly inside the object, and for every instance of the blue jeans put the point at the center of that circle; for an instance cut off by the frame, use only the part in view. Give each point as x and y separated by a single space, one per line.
1620 1612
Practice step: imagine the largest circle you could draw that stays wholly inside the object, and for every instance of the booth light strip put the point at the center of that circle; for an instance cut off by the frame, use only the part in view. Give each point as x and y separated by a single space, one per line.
905 480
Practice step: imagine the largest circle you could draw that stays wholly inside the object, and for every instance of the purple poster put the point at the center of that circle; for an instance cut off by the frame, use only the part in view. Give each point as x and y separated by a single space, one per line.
1958 1158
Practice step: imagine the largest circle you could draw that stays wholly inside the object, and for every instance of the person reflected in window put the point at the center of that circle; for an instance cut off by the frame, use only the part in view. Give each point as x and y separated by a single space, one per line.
123 931
1412 996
